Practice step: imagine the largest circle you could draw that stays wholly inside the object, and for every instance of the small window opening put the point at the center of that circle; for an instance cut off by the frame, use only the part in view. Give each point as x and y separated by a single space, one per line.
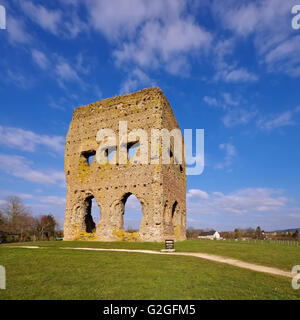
88 156
132 149
111 153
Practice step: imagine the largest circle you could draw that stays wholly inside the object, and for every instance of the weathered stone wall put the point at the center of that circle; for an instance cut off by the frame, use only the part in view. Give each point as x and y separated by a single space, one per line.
161 188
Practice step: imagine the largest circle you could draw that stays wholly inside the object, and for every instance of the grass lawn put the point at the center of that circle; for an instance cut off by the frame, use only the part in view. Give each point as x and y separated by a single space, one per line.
275 255
53 273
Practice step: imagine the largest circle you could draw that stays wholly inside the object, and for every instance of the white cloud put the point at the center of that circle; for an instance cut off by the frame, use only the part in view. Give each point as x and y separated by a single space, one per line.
249 200
136 79
225 102
164 45
269 24
18 79
115 18
230 154
276 121
231 73
20 167
240 202
229 100
226 67
16 31
72 70
211 101
65 22
45 18
65 72
40 59
235 117
196 193
6 193
240 75
155 34
243 19
28 141
59 201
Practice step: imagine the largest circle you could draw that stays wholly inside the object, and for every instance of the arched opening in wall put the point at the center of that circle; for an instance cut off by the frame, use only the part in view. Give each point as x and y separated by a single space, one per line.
91 214
174 215
96 212
133 213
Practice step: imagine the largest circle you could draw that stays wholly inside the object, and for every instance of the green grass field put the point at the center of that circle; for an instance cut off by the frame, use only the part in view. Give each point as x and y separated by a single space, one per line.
53 273
269 254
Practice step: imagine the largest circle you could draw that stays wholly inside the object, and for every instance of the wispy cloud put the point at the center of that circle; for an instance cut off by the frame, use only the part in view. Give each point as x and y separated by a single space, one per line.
229 99
230 154
225 101
197 194
45 18
65 72
283 119
137 79
235 114
20 167
27 140
155 34
239 116
232 74
240 202
7 193
17 33
54 200
211 101
239 75
18 80
40 59
269 24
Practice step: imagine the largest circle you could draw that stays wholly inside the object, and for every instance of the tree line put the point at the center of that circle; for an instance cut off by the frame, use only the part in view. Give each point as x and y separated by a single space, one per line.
248 233
17 224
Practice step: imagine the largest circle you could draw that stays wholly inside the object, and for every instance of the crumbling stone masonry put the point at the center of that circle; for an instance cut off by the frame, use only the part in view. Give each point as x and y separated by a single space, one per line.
161 188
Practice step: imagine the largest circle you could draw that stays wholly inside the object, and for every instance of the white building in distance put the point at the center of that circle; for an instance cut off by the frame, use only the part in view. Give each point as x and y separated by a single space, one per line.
210 235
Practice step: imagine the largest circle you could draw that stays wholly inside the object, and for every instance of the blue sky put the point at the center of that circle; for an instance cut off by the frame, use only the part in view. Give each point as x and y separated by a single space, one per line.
231 69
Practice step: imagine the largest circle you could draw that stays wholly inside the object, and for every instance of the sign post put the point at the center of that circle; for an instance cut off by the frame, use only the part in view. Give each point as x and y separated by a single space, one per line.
169 246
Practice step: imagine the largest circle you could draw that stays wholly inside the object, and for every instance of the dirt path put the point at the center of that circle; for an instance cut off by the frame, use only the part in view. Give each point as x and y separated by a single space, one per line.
211 257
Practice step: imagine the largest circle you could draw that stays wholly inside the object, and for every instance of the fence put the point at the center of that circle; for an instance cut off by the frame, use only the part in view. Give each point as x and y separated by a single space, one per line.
267 241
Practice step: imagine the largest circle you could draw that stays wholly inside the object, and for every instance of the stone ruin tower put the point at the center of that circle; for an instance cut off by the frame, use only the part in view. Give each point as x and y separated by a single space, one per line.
160 188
